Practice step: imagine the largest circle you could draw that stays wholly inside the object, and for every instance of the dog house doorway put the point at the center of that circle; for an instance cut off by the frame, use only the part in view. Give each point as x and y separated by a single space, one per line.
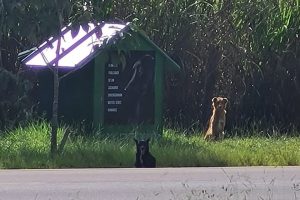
129 89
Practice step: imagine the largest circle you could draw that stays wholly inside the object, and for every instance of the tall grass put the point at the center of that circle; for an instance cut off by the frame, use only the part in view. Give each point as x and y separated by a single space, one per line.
29 148
258 41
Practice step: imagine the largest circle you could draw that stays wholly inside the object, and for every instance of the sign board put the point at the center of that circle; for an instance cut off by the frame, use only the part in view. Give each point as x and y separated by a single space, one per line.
129 89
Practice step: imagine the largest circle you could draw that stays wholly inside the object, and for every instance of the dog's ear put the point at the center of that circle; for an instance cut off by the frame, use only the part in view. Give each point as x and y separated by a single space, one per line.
136 141
148 140
225 100
214 99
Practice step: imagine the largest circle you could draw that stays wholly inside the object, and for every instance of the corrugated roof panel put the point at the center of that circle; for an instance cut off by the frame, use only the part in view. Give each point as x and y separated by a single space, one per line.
73 50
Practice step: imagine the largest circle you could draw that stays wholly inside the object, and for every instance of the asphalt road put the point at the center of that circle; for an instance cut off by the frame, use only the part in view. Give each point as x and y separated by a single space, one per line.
270 183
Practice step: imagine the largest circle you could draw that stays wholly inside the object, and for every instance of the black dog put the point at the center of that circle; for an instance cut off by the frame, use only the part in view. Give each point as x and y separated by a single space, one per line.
144 159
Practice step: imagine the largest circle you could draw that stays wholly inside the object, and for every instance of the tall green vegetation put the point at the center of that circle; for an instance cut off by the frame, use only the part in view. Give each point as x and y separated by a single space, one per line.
16 105
245 50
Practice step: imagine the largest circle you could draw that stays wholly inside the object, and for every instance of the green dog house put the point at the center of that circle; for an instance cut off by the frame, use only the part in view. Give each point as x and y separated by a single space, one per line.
115 75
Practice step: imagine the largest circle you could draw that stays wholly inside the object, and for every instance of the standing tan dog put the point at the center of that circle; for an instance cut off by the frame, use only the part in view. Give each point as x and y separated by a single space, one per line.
216 124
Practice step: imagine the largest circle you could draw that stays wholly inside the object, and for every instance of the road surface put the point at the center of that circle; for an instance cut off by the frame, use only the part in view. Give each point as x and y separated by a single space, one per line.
270 183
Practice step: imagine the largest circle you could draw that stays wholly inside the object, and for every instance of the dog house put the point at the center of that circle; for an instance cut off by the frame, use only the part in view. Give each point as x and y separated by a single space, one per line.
114 76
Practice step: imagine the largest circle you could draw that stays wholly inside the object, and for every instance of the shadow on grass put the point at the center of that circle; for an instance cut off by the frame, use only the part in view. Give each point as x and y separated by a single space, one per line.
177 150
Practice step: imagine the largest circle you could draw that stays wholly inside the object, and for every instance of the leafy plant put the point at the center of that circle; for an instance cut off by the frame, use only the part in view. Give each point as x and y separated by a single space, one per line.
16 106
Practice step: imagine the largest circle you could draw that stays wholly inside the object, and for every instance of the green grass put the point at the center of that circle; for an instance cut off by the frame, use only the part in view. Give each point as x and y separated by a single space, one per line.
29 148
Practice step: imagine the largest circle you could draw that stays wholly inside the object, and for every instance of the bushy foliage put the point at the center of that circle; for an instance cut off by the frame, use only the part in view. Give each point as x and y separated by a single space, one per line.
15 104
247 51
244 50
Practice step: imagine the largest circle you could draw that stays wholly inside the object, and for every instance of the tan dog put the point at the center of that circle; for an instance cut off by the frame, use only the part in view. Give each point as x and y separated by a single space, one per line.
216 124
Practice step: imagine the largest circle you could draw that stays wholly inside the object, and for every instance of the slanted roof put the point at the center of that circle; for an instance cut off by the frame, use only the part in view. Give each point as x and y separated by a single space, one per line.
74 48
79 47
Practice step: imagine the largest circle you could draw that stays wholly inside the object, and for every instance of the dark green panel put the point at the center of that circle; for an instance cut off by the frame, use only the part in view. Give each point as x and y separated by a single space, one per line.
158 91
75 94
98 110
134 42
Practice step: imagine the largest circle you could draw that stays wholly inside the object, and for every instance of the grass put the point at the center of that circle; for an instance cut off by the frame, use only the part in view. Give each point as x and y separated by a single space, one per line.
29 148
